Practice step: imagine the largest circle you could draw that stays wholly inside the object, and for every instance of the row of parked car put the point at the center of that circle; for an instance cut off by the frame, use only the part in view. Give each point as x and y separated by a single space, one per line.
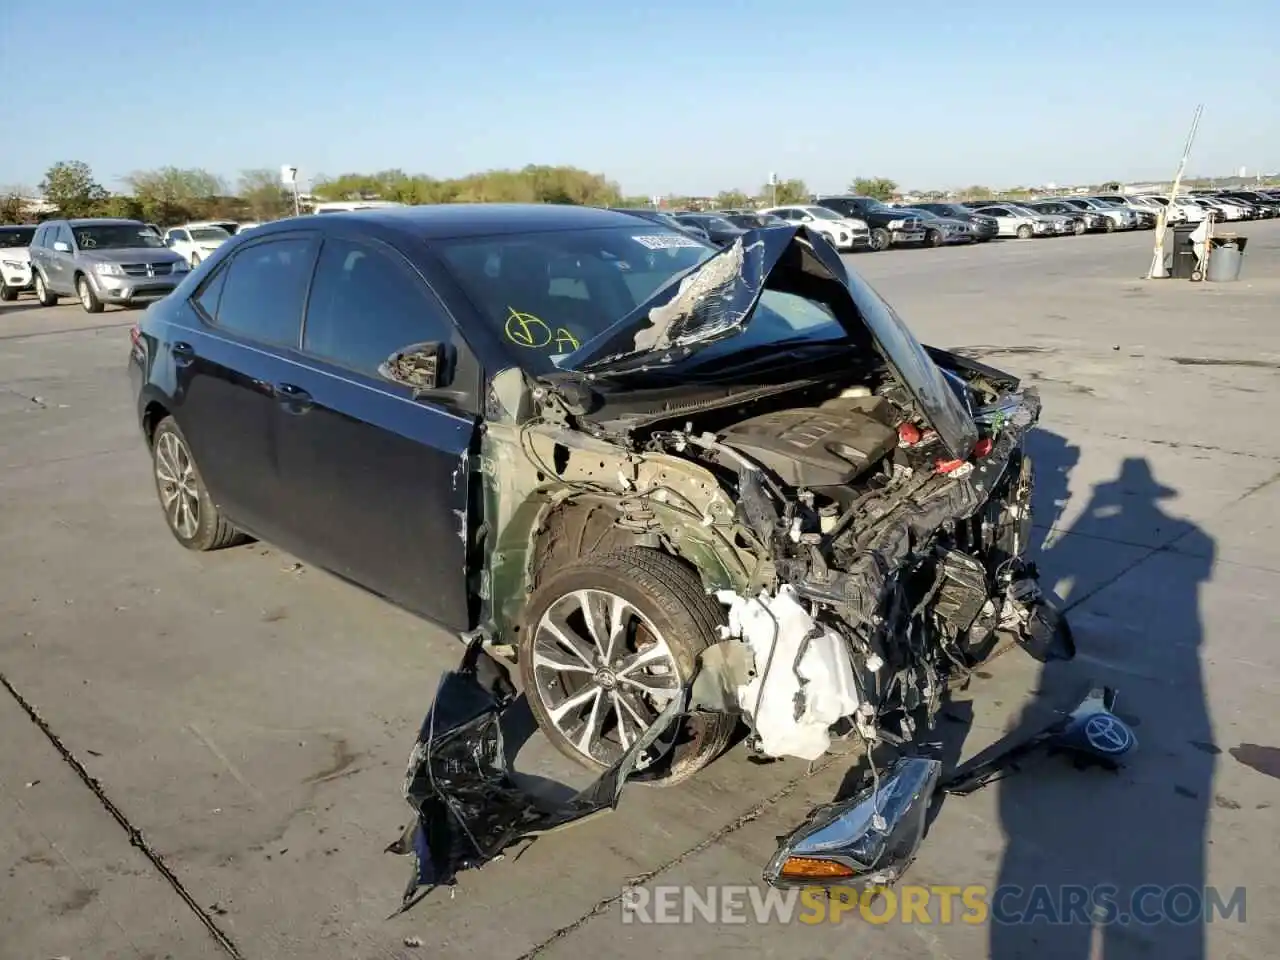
100 261
854 223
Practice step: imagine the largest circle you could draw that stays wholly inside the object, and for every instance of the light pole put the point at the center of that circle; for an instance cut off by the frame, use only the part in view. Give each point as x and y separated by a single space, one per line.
289 177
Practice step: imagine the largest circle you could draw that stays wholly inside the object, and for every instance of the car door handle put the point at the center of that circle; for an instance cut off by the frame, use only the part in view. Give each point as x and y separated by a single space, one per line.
183 353
293 399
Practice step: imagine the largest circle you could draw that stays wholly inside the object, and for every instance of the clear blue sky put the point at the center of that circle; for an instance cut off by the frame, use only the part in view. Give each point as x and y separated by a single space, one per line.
662 96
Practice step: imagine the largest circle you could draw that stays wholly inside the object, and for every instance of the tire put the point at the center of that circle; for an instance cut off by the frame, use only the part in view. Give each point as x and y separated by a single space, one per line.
1025 232
668 609
8 293
43 294
171 458
881 239
933 238
88 299
1197 276
1111 226
1077 227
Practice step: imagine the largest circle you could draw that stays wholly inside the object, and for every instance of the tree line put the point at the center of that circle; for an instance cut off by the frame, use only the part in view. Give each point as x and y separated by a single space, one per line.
173 195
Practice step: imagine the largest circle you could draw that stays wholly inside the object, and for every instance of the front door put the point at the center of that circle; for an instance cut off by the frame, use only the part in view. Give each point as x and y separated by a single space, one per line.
376 483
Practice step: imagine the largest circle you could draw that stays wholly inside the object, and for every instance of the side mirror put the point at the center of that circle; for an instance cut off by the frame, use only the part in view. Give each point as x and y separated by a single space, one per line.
420 366
61 246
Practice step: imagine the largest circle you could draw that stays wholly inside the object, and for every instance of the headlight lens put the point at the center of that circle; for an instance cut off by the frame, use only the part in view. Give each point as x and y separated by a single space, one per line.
15 264
896 224
108 269
181 266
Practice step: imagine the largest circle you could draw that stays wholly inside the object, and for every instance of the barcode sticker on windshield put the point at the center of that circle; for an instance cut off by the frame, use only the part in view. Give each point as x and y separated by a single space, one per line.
666 241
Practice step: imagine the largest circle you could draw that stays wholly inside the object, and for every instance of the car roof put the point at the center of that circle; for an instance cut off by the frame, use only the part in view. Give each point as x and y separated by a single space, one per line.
104 221
453 220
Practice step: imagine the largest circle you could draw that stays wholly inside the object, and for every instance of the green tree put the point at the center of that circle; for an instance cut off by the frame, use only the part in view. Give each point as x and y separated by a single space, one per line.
975 192
786 191
264 195
172 194
118 205
13 205
880 188
731 200
69 186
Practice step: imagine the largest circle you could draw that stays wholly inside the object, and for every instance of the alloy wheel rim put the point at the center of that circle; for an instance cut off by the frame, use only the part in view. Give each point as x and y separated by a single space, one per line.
176 481
603 673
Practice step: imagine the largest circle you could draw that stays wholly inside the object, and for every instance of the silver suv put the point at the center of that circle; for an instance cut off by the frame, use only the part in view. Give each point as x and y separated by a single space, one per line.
101 261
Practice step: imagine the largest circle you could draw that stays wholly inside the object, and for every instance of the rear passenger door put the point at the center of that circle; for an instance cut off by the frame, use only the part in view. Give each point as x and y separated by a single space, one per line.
376 482
238 342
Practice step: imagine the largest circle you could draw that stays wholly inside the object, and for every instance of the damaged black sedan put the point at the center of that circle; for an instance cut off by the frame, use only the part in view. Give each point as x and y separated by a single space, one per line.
643 468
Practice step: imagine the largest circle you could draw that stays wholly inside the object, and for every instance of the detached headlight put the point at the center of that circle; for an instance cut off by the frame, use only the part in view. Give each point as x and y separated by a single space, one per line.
108 269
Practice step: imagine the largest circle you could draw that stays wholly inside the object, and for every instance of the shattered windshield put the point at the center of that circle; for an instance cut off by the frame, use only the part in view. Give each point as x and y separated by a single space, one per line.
546 294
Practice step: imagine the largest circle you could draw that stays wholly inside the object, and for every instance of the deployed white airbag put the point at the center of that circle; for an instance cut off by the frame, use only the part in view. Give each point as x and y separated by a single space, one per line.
775 628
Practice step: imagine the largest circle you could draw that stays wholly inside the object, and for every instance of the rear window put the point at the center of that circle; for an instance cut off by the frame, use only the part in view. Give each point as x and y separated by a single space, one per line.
546 294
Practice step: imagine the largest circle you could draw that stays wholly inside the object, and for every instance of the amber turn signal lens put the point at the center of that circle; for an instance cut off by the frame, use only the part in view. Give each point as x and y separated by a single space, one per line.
983 447
802 868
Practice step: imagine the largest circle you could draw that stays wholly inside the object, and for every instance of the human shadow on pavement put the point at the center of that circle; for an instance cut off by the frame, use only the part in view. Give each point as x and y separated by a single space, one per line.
1100 864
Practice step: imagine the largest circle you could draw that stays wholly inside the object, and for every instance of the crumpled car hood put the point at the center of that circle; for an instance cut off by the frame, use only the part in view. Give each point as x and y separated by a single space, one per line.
716 299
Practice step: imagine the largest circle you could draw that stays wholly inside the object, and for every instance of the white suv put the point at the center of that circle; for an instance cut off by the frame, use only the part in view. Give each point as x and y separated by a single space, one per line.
845 233
15 260
196 241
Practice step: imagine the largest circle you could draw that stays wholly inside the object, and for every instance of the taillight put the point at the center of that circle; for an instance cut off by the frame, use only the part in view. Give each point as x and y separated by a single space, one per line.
982 448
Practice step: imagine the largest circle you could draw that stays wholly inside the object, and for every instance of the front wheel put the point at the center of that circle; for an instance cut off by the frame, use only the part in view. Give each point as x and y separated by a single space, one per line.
1111 226
1024 232
607 643
43 295
8 293
188 509
1077 227
880 239
88 299
933 238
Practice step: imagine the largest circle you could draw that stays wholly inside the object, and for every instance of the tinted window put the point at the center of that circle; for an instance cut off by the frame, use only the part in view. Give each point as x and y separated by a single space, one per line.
366 304
207 297
264 290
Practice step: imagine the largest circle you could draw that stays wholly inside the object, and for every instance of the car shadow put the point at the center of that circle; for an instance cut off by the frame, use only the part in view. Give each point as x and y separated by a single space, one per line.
1113 865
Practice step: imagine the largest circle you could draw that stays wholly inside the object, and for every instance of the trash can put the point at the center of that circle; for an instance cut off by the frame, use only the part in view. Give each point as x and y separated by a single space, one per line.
1226 257
1184 252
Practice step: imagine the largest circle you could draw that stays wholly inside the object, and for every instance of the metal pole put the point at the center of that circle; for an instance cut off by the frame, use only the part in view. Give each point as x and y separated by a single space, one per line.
297 208
1157 257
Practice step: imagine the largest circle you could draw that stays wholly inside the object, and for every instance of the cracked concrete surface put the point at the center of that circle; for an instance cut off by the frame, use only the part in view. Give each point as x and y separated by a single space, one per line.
249 717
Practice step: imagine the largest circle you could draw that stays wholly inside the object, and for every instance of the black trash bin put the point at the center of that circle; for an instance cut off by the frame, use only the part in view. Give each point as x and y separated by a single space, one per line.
1184 252
1226 257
